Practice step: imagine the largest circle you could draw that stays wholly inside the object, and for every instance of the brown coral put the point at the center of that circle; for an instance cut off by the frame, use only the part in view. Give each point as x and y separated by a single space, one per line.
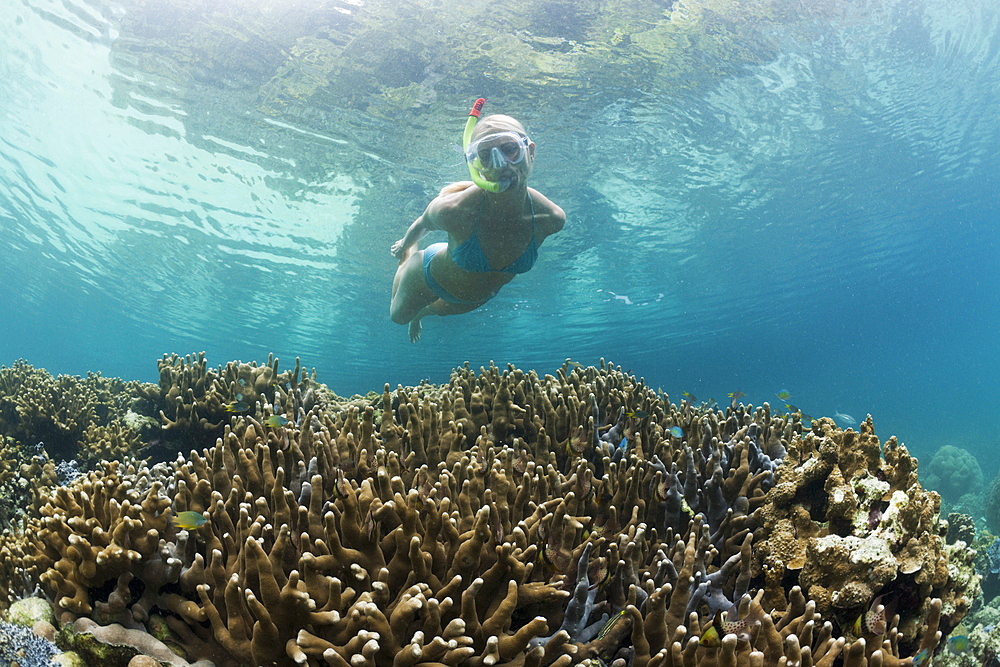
848 524
505 518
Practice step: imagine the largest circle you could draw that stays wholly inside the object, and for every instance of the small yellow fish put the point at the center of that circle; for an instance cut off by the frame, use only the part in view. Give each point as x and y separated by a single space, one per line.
736 395
275 421
189 520
637 414
712 636
691 398
237 406
958 643
784 394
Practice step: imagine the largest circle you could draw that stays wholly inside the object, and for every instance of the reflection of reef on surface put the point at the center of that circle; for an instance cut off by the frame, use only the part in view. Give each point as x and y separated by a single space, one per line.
504 518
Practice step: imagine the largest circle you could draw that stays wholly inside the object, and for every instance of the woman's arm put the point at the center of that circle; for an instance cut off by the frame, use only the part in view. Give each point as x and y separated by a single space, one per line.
436 216
412 237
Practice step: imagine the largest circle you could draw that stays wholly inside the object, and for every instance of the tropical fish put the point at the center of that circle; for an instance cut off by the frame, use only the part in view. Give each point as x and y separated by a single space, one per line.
712 636
872 622
276 421
958 643
610 625
736 395
847 419
237 406
791 408
623 444
189 520
637 414
731 624
553 558
676 431
784 394
691 398
600 577
921 657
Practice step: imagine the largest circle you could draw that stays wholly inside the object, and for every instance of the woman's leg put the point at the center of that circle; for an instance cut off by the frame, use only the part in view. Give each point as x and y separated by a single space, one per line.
410 293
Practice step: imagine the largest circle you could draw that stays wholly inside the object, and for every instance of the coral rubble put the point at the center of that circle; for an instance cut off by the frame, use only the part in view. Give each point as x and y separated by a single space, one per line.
503 518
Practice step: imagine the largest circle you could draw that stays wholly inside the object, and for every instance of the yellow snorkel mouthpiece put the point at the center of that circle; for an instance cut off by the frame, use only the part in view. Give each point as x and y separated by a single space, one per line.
477 177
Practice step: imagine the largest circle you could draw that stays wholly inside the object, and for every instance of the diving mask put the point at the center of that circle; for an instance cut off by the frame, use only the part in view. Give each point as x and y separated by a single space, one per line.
497 151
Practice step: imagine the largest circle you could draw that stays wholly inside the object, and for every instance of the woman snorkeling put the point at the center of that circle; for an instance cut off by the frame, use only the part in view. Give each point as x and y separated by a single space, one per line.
494 222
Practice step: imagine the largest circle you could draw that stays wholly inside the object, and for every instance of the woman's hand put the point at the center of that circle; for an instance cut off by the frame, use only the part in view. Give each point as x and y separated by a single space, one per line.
397 249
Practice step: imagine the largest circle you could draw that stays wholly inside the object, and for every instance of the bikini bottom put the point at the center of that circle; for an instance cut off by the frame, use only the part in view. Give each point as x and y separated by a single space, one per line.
434 285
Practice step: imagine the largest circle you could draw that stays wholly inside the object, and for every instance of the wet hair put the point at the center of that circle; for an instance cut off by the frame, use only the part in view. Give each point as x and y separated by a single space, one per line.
497 122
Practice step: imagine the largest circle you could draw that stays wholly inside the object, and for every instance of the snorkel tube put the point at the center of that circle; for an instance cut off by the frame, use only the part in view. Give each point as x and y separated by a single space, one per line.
477 178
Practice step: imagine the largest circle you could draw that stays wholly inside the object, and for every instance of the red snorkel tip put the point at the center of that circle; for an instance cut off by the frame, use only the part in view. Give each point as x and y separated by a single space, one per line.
477 107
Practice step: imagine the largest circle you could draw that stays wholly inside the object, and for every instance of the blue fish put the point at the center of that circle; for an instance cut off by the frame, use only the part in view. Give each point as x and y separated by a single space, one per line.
676 431
847 419
958 644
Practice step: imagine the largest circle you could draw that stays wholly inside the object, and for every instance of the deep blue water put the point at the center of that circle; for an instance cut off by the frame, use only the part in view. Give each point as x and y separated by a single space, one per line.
759 197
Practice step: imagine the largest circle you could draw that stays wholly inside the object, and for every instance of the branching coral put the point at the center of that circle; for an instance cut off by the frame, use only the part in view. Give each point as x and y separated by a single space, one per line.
195 401
73 418
505 518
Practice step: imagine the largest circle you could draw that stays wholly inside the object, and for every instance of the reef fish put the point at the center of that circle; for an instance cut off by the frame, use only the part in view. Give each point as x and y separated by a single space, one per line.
276 421
784 394
731 624
691 398
712 636
637 414
872 622
958 643
847 419
189 520
921 657
610 625
676 431
237 406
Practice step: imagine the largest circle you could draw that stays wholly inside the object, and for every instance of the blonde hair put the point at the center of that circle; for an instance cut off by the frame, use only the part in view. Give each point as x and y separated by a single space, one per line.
497 122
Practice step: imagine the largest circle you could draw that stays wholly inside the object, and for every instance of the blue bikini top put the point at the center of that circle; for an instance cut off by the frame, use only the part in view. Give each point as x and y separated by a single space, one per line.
470 255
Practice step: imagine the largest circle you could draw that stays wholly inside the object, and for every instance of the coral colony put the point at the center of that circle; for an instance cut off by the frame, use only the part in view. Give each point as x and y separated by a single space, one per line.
505 518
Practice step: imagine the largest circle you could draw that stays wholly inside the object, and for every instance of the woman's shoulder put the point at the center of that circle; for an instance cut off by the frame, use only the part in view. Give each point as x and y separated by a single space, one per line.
452 205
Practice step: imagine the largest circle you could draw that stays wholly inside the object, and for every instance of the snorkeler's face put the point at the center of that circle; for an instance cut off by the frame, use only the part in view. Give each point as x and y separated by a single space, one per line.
500 157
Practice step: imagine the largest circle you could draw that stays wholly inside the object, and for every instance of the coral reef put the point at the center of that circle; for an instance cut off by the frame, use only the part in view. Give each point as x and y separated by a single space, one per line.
850 524
503 518
194 402
955 473
73 418
992 506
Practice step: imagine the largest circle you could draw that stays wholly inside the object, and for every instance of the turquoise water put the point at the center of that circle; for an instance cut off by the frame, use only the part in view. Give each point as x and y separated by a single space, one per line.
760 196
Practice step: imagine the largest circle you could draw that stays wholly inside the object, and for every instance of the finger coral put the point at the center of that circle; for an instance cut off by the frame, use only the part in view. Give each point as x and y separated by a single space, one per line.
73 418
505 518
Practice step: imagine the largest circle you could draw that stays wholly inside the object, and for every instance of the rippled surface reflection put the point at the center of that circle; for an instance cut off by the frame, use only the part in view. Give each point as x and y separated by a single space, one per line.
753 199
